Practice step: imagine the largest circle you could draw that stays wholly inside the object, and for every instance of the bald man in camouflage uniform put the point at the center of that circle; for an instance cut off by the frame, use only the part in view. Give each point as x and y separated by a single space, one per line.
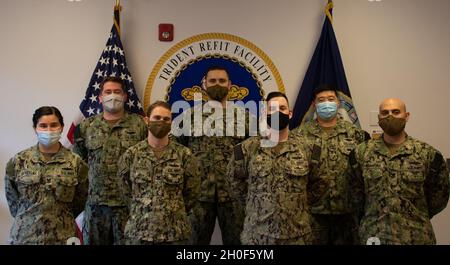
45 195
164 182
101 140
270 183
214 152
400 183
330 139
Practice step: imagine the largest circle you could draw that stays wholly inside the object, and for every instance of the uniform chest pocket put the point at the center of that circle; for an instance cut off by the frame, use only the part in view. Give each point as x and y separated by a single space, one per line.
28 182
412 182
129 138
373 177
413 171
95 141
66 186
346 145
297 171
173 175
413 175
259 167
141 174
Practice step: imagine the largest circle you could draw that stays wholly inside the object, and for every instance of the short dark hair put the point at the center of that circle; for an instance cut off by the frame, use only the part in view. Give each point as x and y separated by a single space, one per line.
217 67
276 94
158 103
325 87
47 110
114 80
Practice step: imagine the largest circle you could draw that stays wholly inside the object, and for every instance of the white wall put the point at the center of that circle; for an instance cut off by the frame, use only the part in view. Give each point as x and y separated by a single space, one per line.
49 49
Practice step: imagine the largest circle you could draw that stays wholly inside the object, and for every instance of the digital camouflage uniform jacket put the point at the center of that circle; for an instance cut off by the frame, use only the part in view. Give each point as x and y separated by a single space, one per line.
44 197
328 185
398 194
271 185
163 191
102 146
214 152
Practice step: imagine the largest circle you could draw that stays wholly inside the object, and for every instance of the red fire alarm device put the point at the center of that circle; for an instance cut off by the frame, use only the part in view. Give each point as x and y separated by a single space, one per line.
166 32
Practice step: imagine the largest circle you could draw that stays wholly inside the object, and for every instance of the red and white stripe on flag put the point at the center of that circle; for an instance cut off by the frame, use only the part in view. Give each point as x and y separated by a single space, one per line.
79 226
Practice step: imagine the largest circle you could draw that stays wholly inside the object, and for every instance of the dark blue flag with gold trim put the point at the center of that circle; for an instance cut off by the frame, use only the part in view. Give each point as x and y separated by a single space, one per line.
325 68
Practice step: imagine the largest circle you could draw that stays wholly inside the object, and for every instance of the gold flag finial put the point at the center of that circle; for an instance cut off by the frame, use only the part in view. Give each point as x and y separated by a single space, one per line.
117 10
328 9
118 6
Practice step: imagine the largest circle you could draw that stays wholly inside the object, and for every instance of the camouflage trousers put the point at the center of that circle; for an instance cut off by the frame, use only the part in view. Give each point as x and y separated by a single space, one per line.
203 221
338 229
134 241
104 225
257 239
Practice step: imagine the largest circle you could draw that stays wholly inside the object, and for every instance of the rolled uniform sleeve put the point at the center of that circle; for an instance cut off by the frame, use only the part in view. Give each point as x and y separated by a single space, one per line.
12 194
437 185
191 190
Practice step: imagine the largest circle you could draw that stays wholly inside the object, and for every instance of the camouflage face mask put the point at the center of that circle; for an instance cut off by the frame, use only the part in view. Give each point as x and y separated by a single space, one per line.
159 129
217 92
392 126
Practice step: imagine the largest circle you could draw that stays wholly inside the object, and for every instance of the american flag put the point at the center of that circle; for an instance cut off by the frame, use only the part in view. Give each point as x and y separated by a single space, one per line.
111 63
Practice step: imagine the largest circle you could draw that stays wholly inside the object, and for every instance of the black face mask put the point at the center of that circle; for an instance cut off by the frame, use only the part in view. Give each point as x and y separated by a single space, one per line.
280 120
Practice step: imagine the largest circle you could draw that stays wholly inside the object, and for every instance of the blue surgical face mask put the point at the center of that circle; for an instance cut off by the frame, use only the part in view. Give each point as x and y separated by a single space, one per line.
47 138
326 110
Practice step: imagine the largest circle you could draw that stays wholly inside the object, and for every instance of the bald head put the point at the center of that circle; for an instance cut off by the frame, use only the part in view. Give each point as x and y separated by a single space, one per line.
393 102
393 106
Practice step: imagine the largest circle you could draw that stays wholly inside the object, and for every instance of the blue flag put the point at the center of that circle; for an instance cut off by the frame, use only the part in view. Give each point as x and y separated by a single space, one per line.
325 68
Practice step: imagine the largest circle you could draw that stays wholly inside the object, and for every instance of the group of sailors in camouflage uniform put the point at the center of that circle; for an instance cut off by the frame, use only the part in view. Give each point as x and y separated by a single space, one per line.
325 182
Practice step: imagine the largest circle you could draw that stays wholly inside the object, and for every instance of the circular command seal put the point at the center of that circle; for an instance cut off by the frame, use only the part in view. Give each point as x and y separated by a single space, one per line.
179 72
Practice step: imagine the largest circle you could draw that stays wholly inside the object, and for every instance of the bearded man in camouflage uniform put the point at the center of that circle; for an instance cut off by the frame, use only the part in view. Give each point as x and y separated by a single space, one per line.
400 183
164 182
101 140
330 139
213 148
268 177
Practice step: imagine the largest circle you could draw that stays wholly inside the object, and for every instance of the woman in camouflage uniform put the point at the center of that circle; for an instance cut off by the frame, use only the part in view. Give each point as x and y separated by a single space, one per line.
46 185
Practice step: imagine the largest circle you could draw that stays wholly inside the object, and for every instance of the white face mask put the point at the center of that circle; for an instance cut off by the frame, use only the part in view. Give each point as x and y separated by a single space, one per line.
113 103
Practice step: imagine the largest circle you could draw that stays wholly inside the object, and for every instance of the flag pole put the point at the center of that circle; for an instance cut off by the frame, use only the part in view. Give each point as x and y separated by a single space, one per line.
117 9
